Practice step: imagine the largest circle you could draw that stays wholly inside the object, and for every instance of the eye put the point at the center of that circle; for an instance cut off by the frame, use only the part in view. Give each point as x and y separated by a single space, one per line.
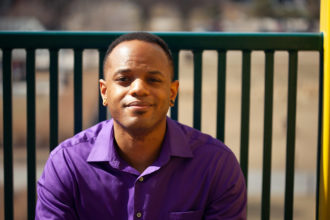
123 79
154 80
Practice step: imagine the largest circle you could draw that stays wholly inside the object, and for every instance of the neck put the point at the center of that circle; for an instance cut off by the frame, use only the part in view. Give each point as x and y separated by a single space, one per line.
140 150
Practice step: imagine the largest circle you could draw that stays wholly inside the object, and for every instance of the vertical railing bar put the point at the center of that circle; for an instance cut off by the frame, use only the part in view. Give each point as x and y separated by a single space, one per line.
174 109
268 124
31 133
197 106
77 90
245 113
53 96
291 134
319 132
7 135
221 95
102 109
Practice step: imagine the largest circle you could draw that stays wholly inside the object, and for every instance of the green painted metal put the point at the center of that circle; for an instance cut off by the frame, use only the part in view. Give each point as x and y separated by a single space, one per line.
221 95
77 90
102 110
268 124
197 105
31 132
291 135
245 112
53 96
176 40
174 109
196 42
8 135
319 134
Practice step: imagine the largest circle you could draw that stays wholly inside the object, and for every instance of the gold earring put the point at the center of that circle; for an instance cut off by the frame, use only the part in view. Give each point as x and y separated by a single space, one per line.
171 103
105 101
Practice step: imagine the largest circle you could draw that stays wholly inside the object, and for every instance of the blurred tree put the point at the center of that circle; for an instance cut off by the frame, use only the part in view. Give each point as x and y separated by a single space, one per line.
57 11
263 8
50 13
215 9
283 9
145 9
313 13
5 5
187 6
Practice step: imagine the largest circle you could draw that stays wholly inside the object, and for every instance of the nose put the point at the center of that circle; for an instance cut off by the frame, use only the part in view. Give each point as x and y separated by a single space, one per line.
138 88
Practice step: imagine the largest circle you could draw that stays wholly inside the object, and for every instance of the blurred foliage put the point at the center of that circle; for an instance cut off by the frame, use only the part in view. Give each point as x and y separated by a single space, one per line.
270 8
185 7
263 8
313 9
50 13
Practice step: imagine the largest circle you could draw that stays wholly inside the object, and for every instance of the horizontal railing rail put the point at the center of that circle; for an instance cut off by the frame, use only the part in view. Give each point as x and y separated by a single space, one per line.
176 40
195 42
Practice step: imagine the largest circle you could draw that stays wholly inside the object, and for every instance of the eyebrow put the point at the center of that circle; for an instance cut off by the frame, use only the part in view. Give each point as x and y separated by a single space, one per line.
122 71
155 72
126 71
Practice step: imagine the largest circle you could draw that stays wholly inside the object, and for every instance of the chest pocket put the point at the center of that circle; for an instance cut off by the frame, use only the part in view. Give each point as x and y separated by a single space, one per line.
190 215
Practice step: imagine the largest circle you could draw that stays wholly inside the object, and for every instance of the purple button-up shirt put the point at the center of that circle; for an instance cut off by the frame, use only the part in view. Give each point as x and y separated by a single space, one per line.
194 177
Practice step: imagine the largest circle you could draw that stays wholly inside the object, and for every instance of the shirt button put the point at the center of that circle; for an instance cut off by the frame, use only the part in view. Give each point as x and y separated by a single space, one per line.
139 214
141 179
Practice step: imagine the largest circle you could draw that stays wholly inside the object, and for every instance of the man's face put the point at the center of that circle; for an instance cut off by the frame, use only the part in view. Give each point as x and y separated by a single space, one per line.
138 86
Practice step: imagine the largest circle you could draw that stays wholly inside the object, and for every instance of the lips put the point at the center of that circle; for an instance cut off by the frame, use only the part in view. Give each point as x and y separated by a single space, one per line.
137 105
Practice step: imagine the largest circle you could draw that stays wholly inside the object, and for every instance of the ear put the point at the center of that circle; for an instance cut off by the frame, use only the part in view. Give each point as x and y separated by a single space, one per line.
103 91
174 89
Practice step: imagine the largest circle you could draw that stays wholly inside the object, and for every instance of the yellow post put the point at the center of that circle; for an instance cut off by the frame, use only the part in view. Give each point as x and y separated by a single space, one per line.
324 195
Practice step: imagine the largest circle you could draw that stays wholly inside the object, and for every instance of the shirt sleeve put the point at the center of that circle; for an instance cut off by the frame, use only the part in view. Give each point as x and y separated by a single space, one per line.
229 203
55 190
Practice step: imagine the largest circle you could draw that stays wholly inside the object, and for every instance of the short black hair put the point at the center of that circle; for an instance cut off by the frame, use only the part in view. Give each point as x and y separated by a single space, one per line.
142 36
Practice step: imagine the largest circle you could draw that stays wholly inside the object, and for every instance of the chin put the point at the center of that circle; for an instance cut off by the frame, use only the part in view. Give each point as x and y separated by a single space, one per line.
137 128
140 124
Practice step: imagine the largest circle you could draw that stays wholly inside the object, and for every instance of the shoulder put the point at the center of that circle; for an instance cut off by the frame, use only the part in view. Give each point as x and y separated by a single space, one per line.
81 143
201 144
70 156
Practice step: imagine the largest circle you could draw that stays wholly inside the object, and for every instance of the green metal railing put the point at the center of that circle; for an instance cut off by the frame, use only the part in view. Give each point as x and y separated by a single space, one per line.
197 43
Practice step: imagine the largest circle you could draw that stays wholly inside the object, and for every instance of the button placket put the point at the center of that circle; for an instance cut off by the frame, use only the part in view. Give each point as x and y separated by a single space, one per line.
138 204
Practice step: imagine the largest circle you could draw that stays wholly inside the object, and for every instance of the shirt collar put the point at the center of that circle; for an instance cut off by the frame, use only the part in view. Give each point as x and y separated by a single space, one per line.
176 140
175 144
103 145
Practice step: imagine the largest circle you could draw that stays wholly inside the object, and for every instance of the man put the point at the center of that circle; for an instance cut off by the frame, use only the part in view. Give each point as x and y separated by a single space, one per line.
141 164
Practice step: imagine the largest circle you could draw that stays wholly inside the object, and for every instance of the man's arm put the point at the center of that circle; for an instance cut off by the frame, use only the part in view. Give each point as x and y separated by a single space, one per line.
55 190
231 202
